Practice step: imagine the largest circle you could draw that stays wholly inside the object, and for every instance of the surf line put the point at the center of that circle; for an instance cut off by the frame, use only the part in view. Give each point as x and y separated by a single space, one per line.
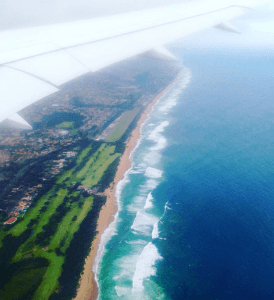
88 283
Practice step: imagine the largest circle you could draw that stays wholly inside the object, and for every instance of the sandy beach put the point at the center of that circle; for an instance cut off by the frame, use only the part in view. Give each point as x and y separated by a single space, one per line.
88 289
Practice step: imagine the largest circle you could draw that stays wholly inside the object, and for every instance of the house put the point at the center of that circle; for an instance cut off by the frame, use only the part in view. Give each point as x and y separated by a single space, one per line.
10 221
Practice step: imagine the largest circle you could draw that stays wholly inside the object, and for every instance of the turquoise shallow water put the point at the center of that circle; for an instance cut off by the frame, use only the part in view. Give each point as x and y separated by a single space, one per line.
196 216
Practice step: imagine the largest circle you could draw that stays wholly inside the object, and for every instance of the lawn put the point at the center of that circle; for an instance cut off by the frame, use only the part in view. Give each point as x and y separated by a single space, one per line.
66 125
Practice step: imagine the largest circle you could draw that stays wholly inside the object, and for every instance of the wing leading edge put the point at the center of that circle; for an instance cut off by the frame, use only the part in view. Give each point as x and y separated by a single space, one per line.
36 61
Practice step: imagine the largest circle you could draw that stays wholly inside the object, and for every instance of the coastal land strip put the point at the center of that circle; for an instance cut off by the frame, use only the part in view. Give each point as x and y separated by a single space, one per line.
88 288
53 196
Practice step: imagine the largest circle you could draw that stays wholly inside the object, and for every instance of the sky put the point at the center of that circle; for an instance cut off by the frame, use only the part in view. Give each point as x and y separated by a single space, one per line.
257 27
19 13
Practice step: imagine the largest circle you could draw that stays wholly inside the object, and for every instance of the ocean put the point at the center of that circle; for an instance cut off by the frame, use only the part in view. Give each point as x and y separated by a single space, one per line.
196 210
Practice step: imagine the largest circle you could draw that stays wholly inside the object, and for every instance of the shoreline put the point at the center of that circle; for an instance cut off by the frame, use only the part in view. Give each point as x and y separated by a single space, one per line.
88 288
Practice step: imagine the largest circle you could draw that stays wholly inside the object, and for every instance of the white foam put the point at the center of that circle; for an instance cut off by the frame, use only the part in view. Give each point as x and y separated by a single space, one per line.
134 171
172 100
160 144
122 291
138 169
155 231
136 242
153 172
167 207
151 184
152 158
143 223
136 204
145 266
125 264
149 203
139 201
186 79
155 134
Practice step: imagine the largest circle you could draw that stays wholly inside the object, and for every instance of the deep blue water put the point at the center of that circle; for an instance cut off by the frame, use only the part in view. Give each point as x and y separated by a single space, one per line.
214 202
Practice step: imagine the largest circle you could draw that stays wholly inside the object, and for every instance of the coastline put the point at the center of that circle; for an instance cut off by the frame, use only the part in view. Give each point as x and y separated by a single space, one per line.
88 289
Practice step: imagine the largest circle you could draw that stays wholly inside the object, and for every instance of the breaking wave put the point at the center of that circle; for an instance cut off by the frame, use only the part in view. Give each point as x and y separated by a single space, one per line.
145 266
149 203
153 172
143 223
155 231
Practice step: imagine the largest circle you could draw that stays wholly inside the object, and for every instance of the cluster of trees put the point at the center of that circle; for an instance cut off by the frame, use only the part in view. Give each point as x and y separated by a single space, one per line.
108 175
49 229
25 275
3 216
10 245
59 117
75 101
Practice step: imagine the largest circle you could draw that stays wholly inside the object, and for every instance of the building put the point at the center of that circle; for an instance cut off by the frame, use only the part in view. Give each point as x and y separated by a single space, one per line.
10 221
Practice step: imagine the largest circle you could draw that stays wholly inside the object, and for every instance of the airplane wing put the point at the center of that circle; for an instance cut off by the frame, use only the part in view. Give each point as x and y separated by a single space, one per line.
35 62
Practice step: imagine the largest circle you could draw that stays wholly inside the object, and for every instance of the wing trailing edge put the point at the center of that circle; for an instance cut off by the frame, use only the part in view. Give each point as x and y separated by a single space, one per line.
16 121
18 90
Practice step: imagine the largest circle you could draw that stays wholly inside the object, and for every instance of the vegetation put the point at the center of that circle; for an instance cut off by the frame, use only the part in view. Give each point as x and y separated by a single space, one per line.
25 279
36 252
66 125
58 118
34 249
120 128
3 216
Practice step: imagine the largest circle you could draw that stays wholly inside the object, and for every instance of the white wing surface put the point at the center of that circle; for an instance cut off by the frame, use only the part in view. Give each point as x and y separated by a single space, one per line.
34 62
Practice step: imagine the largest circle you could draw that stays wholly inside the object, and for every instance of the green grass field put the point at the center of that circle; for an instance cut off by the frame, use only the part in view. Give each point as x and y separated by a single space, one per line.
66 125
120 128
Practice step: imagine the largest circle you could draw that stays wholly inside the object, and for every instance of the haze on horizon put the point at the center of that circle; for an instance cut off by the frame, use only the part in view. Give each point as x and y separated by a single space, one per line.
257 27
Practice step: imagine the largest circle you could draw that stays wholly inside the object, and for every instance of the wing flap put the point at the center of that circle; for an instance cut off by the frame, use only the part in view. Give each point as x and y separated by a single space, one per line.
18 122
19 90
56 67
